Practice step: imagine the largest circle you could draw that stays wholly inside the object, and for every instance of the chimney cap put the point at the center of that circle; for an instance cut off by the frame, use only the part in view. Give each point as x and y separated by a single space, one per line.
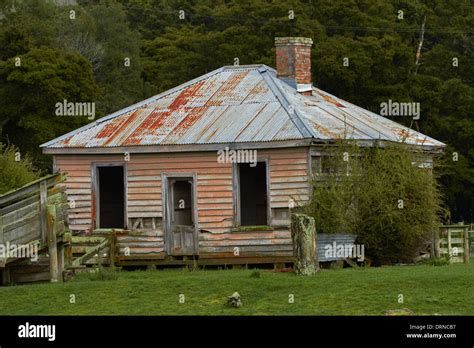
281 41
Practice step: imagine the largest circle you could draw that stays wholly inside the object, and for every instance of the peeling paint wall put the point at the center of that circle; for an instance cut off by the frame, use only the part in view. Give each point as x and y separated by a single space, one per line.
288 180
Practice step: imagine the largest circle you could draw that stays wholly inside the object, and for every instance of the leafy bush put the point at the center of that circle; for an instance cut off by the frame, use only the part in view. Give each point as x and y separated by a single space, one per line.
437 261
381 195
14 173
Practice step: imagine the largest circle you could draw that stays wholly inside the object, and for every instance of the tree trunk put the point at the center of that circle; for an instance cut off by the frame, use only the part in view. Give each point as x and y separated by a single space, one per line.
303 234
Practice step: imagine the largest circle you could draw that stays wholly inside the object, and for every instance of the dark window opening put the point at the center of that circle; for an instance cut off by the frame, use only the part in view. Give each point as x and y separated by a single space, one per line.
111 197
253 194
182 205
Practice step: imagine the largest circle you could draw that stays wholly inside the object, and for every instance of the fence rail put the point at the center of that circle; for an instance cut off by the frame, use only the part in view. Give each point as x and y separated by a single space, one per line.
452 241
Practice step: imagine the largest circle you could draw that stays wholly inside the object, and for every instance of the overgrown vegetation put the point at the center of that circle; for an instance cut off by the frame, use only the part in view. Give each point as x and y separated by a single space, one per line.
437 261
380 194
15 170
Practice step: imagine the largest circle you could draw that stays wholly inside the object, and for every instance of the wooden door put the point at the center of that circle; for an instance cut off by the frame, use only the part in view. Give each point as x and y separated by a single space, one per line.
181 227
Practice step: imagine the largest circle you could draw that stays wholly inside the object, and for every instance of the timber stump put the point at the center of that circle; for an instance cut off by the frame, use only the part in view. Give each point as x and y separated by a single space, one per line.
303 235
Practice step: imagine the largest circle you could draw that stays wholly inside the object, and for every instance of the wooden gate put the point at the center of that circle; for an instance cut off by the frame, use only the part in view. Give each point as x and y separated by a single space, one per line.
452 241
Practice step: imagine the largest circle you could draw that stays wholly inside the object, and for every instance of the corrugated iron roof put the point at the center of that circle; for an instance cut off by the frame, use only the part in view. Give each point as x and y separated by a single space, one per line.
236 104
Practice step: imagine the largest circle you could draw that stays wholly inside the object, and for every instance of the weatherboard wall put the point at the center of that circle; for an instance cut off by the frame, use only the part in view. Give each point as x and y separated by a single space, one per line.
288 181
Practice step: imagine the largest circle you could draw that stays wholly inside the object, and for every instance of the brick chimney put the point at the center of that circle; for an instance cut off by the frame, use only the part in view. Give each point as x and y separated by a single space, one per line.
293 61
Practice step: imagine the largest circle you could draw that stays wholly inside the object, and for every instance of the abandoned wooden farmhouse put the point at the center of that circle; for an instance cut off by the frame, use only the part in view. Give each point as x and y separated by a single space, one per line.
210 169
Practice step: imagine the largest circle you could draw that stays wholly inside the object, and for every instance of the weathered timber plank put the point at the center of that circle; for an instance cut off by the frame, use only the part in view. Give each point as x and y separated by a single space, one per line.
188 165
243 255
121 250
215 206
247 249
244 236
29 189
30 277
80 222
288 167
245 260
143 209
87 240
76 173
144 245
274 180
292 192
143 178
20 204
21 213
14 222
52 244
215 194
214 176
214 188
79 198
143 184
90 254
79 227
144 196
227 224
133 239
215 182
145 189
77 215
289 185
244 242
214 212
286 162
22 227
216 200
147 232
215 219
137 203
24 234
122 259
288 173
150 214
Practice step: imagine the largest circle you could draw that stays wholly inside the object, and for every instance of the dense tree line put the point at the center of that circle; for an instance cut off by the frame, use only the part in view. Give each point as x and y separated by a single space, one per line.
119 52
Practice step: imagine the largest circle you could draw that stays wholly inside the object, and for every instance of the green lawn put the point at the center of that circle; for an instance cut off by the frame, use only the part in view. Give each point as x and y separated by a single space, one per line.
427 290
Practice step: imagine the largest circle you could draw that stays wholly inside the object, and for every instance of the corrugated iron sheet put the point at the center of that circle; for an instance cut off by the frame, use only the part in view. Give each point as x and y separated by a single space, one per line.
333 118
236 104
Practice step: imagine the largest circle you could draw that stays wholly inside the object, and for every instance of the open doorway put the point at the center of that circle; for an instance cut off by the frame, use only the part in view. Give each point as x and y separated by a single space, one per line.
111 197
253 194
182 202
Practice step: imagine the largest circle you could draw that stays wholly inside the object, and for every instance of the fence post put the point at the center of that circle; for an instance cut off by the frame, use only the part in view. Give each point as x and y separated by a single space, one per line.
436 243
112 249
43 212
3 259
52 246
449 245
466 244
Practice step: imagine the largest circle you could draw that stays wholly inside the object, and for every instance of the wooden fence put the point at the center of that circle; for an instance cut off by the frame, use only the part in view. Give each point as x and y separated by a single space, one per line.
470 233
34 215
452 241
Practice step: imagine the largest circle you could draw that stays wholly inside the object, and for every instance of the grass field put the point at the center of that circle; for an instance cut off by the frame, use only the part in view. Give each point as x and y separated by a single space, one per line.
426 290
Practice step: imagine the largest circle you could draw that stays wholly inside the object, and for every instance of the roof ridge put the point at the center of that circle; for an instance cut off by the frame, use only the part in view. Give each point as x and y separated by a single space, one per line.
293 113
